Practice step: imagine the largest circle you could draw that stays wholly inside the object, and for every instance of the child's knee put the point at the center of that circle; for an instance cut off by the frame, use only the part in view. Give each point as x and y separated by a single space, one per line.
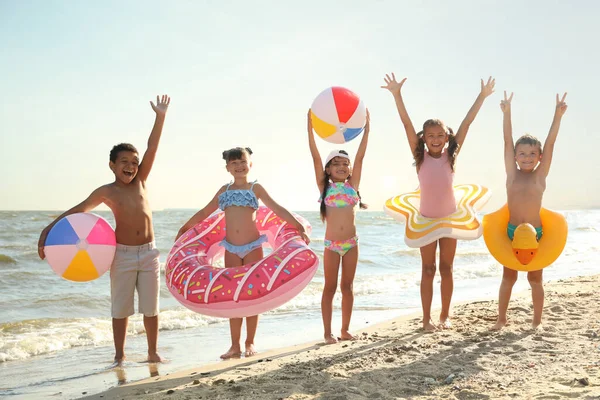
346 288
446 270
534 278
509 279
509 276
329 289
429 270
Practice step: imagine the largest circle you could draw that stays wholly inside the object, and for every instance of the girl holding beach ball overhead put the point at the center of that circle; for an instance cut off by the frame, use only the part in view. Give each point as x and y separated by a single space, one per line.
338 180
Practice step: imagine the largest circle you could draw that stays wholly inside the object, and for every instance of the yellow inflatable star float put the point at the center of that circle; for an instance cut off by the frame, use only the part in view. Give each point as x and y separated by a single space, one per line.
462 224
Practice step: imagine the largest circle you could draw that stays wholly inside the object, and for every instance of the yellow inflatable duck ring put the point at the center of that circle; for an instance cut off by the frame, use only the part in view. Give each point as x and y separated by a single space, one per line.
421 231
524 243
525 253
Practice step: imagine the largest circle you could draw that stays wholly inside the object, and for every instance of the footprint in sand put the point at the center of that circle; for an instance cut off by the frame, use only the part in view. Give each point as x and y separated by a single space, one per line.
550 328
557 308
516 349
544 349
556 319
520 309
508 335
550 337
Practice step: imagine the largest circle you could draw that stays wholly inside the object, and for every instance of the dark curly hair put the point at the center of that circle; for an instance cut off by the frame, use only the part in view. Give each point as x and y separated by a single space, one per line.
452 143
236 153
114 153
326 179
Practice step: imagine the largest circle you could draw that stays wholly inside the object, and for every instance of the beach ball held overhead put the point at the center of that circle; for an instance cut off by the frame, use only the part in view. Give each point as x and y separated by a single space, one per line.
80 247
338 115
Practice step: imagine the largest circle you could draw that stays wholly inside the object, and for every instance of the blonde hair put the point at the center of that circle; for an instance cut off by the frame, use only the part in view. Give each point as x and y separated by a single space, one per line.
530 140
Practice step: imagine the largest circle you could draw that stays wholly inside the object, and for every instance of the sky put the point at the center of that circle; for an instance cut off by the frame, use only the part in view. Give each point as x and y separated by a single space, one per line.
77 78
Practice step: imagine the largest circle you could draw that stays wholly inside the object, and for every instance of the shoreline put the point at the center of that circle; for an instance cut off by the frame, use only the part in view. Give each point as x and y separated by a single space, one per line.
396 359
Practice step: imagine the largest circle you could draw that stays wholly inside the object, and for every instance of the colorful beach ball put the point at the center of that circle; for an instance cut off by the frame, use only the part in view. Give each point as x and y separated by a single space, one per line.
80 247
338 115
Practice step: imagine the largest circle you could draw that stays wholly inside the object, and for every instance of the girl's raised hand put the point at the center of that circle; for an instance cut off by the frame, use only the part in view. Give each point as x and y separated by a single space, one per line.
392 84
561 106
368 122
488 88
505 104
309 126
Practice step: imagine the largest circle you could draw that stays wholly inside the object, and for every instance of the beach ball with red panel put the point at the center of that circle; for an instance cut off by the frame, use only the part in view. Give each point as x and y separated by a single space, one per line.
80 247
338 115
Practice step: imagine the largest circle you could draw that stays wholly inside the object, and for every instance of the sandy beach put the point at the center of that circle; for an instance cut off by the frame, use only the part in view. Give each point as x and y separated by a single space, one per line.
396 360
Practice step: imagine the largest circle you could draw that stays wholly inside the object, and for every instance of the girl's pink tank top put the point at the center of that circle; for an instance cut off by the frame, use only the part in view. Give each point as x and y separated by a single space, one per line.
436 180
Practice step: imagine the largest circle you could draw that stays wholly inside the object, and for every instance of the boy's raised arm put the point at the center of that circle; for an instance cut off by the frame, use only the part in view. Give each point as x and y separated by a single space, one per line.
162 104
561 108
94 200
509 146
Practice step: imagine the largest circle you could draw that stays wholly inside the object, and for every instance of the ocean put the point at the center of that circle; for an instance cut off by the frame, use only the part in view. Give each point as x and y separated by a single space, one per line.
56 337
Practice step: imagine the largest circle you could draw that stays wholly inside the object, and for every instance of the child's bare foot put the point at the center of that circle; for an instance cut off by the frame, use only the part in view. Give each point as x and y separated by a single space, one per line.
154 358
233 352
445 323
535 324
429 326
498 325
330 339
250 350
118 361
348 336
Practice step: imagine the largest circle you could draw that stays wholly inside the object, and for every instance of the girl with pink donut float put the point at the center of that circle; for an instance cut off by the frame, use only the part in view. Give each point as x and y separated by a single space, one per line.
338 183
197 285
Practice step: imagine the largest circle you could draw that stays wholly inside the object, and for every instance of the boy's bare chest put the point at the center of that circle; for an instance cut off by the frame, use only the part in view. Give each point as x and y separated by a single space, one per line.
128 199
527 183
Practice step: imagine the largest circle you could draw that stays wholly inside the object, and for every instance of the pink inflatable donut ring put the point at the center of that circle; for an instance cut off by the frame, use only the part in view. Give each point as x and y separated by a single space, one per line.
243 291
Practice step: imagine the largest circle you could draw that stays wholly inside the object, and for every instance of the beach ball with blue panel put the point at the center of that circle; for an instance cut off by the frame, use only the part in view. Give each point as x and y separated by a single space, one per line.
338 115
80 247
